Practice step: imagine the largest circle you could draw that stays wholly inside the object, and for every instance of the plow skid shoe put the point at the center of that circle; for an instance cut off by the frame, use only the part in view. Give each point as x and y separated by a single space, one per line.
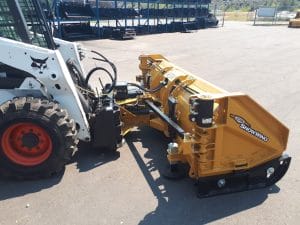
259 177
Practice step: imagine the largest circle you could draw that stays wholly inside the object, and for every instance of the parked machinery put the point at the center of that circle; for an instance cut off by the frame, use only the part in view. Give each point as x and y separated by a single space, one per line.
295 23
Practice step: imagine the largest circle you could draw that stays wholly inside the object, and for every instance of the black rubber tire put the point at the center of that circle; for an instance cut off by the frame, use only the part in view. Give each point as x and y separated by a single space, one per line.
57 123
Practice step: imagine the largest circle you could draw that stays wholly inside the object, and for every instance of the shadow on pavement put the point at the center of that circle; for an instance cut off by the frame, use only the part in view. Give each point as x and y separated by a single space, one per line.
85 159
13 188
177 201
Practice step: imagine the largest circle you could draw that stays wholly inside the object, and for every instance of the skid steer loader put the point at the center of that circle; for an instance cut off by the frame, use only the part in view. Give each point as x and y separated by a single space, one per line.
47 104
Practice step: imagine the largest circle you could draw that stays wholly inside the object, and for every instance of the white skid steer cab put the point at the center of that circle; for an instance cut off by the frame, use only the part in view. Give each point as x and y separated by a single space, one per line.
46 104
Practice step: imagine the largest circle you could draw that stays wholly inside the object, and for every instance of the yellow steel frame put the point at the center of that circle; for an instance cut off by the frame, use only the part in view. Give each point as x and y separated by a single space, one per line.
243 134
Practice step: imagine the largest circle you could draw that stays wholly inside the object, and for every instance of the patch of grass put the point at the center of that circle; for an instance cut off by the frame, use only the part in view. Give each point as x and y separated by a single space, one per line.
238 16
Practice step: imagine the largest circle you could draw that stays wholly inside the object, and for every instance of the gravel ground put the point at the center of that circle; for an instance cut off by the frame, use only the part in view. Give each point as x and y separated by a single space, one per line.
127 188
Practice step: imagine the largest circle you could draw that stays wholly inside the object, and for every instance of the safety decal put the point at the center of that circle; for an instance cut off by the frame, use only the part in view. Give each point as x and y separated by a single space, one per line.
244 125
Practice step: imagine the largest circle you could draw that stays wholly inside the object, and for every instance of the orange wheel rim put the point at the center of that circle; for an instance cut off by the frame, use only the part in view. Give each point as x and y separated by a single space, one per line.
26 144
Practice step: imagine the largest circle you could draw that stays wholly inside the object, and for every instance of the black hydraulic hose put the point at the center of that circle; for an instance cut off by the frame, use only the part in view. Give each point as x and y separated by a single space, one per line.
72 66
156 89
99 54
91 73
104 59
113 78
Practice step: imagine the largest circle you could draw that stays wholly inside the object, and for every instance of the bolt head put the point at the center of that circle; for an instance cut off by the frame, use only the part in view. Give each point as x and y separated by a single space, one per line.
172 148
221 183
270 171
